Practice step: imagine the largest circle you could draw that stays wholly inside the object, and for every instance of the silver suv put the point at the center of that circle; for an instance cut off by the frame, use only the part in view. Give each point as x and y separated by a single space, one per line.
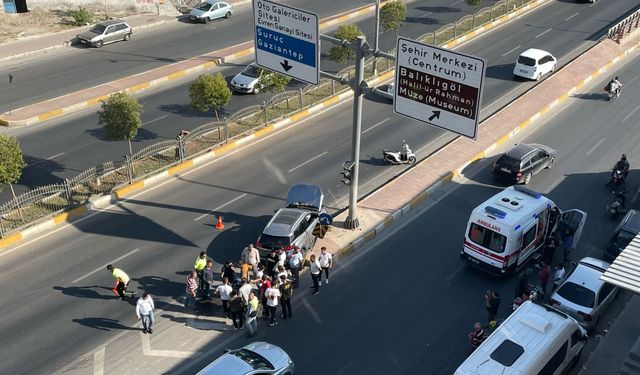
106 32
293 225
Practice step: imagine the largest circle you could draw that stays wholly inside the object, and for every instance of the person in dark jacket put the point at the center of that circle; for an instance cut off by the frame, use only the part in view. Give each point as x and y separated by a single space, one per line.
235 307
492 303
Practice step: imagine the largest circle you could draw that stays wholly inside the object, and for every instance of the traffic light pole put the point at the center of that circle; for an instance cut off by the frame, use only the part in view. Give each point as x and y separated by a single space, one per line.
359 86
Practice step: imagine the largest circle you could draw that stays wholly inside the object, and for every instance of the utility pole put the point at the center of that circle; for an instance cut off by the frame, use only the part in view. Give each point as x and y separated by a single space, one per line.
10 94
375 38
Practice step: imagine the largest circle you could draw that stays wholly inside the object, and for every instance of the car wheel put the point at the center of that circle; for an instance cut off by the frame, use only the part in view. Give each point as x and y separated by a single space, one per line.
227 15
412 160
553 68
527 178
256 90
206 20
538 76
99 44
127 37
550 163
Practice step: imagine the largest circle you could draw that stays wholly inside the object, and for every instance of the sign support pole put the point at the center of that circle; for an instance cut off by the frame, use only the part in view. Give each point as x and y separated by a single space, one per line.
352 218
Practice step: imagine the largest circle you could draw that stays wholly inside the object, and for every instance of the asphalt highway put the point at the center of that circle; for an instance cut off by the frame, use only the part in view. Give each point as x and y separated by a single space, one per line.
64 147
402 306
75 68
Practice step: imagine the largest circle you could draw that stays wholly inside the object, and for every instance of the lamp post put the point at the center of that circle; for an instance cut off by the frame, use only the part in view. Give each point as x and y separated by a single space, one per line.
375 38
10 96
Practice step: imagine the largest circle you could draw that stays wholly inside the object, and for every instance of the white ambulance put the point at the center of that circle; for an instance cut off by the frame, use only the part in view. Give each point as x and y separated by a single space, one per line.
510 228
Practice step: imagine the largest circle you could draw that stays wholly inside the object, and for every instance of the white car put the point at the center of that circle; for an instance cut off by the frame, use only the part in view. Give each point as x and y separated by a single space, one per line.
534 63
582 295
255 358
248 80
211 10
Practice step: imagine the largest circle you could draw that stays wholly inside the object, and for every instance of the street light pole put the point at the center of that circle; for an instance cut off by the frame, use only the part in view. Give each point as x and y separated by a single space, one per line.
352 219
10 96
375 38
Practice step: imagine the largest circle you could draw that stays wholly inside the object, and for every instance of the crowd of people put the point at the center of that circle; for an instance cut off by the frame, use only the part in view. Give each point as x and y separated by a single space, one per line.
524 290
261 287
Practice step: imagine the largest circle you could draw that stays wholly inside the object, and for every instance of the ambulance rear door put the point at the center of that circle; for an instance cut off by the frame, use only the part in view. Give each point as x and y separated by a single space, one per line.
574 220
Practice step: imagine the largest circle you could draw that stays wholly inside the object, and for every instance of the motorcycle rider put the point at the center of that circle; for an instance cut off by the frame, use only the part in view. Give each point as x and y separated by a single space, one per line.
621 165
614 86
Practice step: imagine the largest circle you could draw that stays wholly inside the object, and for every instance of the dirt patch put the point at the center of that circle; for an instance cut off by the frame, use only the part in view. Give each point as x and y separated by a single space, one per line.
42 21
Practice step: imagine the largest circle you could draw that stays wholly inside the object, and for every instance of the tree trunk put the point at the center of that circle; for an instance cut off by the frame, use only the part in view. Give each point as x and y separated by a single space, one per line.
130 150
17 204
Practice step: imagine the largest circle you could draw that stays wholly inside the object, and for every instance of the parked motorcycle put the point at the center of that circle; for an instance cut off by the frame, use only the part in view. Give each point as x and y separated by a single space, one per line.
406 156
617 207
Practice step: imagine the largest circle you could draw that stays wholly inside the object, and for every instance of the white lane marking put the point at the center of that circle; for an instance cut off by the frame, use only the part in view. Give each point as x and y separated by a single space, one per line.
511 50
457 2
376 125
101 268
98 362
595 146
220 207
147 351
571 16
630 113
453 274
165 182
308 161
633 80
542 33
426 14
55 156
154 120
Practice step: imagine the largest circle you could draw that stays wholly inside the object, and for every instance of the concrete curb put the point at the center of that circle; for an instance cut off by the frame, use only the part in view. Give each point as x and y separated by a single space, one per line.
420 198
120 193
66 43
181 73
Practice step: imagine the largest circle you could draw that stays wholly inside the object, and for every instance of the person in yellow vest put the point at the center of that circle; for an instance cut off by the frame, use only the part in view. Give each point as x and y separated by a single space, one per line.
198 266
122 281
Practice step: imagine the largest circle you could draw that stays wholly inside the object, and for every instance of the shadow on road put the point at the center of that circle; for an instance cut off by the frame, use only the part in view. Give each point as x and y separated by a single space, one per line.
103 324
86 292
591 96
158 286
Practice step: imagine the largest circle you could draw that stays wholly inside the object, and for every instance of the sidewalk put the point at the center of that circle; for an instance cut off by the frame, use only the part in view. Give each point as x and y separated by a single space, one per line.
619 350
29 46
204 335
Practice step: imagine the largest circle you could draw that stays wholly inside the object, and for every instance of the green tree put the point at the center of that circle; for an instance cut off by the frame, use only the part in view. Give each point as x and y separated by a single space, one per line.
342 54
119 114
475 4
271 81
392 15
11 164
209 91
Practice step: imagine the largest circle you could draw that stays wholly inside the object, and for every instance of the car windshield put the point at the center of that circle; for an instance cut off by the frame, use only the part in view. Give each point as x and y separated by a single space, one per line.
487 238
508 162
273 242
250 71
98 29
577 294
624 238
528 61
254 359
204 6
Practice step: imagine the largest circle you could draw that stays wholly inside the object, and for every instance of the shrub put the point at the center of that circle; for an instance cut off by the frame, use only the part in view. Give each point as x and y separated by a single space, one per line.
81 17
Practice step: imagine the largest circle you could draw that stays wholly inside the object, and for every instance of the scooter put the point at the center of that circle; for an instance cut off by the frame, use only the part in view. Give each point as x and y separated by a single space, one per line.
406 156
617 179
614 94
617 206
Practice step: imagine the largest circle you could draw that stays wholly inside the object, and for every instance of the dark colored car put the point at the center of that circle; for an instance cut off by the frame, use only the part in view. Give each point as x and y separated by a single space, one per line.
624 233
522 161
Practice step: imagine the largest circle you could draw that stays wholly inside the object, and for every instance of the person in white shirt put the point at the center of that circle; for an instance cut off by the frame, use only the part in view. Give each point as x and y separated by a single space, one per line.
253 258
558 275
295 263
273 299
326 261
315 273
144 311
224 290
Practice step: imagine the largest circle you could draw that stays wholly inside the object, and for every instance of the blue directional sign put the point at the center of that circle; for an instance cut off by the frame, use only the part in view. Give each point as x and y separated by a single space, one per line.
286 40
325 219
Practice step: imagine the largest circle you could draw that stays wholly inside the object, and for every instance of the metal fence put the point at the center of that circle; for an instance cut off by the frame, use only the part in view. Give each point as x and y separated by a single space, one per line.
625 27
41 203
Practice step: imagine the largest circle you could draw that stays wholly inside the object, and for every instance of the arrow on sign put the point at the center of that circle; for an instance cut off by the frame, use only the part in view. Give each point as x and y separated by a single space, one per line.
435 115
285 65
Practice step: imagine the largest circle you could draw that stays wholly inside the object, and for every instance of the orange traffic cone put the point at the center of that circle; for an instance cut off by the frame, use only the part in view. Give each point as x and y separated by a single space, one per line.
219 224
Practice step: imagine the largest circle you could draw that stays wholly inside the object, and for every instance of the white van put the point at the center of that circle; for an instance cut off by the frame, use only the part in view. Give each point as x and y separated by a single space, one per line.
535 340
510 228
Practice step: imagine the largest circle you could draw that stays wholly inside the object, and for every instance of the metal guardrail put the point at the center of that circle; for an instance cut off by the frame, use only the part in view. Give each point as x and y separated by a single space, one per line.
43 202
624 27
